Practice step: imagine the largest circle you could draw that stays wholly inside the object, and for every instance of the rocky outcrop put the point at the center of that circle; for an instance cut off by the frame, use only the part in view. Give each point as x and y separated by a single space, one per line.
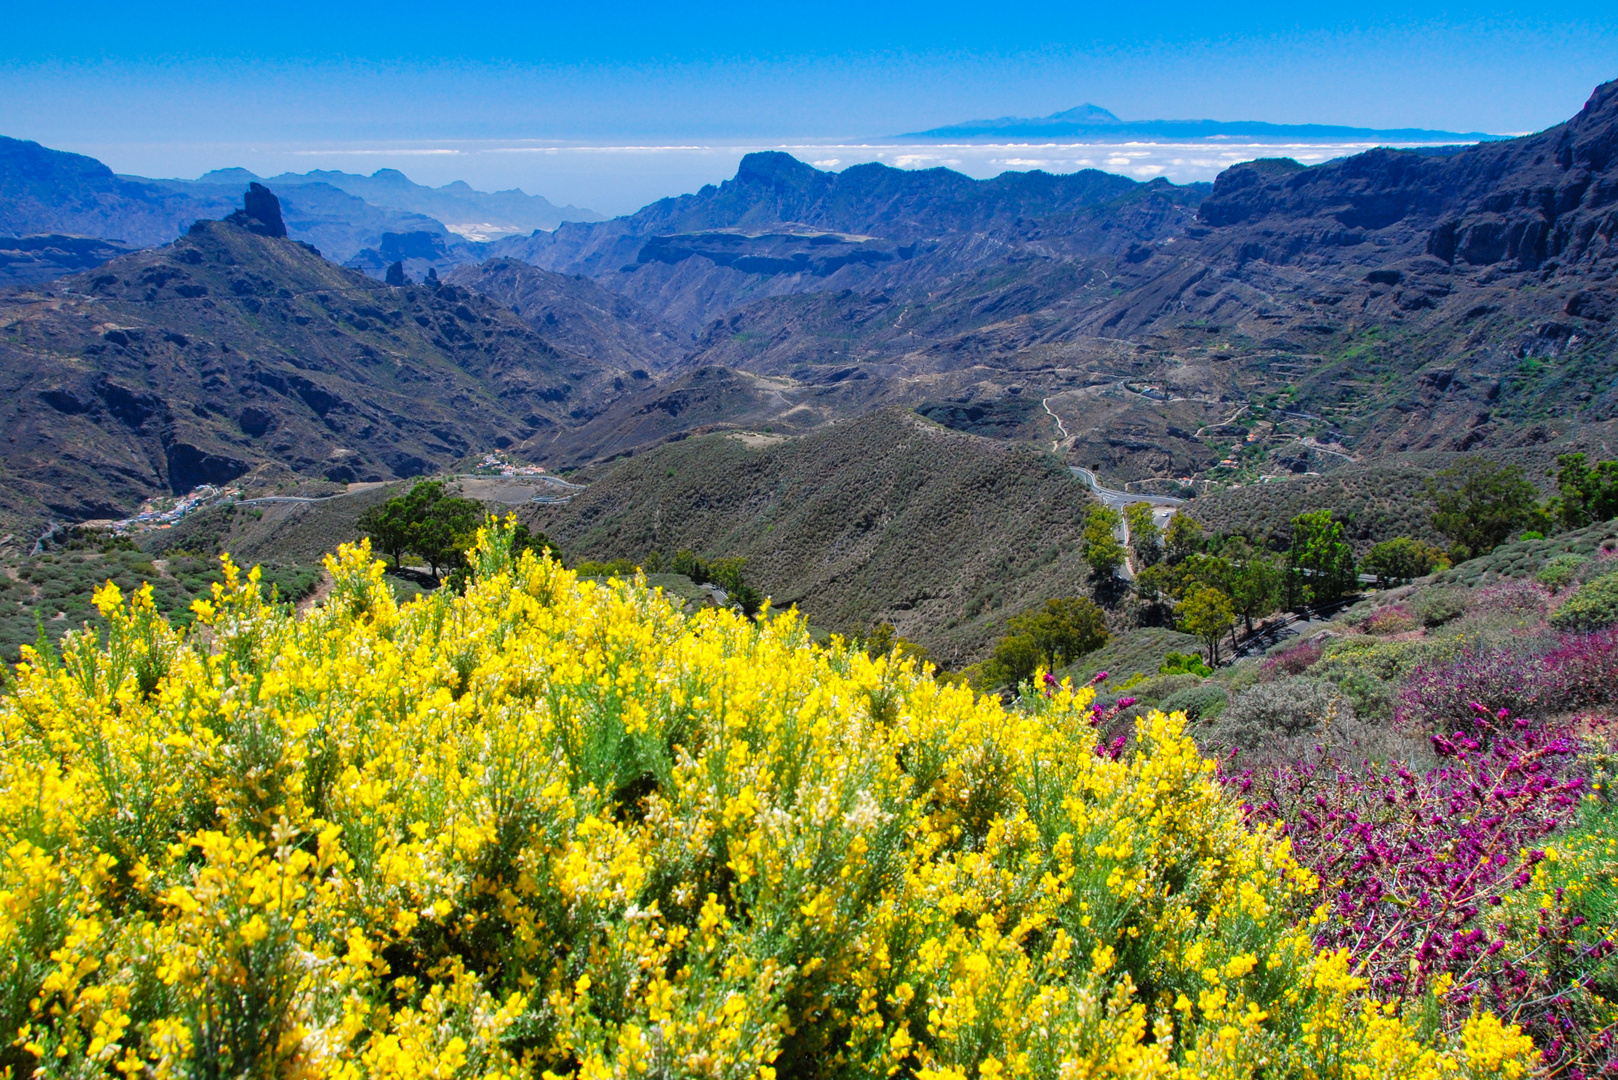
263 211
785 249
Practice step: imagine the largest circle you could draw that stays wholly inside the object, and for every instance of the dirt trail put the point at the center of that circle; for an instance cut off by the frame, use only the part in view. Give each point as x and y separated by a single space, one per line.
1055 446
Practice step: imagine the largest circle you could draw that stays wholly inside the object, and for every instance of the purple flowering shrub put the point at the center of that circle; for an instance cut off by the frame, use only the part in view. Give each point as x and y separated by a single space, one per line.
1441 696
1390 620
1583 670
1293 661
1414 867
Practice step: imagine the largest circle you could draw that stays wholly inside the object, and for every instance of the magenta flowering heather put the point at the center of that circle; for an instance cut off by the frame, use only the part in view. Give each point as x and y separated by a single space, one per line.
1411 865
1294 661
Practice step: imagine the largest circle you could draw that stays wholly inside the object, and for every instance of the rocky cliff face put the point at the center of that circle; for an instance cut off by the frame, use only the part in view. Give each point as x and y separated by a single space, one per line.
1518 205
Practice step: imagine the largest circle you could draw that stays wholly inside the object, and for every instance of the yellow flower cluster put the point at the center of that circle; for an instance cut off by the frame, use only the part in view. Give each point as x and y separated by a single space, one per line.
555 828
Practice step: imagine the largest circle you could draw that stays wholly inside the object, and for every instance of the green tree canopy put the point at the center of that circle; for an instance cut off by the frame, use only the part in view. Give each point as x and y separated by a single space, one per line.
1402 560
1144 536
1182 539
1254 582
1015 659
1202 570
394 527
1155 583
1586 493
525 539
445 531
1206 612
1479 504
1064 630
725 573
1100 541
1320 564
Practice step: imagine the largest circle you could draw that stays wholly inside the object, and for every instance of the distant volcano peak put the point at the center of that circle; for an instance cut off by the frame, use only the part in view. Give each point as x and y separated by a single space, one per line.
1085 114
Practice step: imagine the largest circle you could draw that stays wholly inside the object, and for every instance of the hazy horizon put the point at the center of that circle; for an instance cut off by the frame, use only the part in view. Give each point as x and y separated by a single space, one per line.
615 179
611 108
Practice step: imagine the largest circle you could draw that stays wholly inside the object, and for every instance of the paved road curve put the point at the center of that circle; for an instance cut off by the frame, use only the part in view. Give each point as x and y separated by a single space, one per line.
1120 499
1163 508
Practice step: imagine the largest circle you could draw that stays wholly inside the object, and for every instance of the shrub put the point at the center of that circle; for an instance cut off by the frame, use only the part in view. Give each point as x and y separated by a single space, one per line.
1390 620
1584 669
1435 607
1390 661
1184 663
1593 606
1421 863
1371 698
1516 598
553 826
1291 660
1561 572
1202 702
1442 696
1154 690
1604 562
1286 709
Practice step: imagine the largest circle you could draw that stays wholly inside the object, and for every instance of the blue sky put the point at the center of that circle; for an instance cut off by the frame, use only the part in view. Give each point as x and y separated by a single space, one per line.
176 88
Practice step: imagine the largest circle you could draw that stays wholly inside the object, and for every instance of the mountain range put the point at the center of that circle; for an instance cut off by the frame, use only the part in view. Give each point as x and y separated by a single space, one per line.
472 215
1281 320
53 202
1091 123
237 351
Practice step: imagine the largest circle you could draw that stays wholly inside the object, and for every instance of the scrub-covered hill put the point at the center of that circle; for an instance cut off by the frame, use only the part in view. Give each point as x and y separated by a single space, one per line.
886 518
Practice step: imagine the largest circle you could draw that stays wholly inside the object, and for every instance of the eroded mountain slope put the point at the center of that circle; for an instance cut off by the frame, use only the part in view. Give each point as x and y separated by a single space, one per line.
231 351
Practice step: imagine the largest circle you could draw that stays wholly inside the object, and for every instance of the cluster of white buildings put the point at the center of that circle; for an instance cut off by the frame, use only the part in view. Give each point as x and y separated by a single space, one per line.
163 513
493 463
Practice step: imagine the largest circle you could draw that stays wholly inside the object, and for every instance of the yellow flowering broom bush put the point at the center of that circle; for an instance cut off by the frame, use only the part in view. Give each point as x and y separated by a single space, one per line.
556 828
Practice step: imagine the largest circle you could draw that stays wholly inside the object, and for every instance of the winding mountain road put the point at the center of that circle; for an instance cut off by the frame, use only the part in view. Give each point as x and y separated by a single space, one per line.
1163 508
